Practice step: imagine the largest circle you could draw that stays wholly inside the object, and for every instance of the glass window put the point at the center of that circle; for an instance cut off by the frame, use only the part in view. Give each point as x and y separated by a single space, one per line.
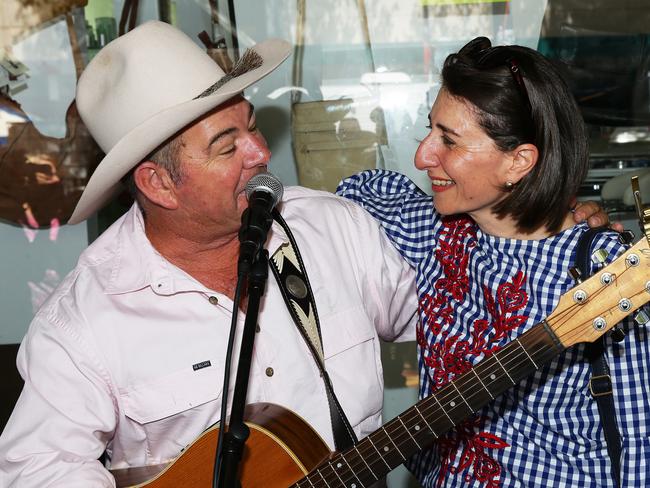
355 95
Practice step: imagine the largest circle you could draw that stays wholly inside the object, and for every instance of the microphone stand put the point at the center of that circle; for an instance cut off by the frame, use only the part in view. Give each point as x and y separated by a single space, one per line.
237 434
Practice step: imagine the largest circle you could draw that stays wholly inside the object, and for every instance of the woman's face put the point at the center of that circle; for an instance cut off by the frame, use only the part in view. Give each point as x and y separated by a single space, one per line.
466 169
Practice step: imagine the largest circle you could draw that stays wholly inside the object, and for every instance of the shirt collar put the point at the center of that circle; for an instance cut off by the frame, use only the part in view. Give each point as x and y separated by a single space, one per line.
137 264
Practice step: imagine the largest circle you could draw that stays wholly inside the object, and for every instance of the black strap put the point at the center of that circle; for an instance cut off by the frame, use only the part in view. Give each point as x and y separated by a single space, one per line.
600 383
297 294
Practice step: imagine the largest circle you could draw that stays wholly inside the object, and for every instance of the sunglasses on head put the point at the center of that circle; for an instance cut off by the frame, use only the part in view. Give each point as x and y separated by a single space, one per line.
489 57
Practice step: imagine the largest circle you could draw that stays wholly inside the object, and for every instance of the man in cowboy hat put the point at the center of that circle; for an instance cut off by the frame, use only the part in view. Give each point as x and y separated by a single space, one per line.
127 355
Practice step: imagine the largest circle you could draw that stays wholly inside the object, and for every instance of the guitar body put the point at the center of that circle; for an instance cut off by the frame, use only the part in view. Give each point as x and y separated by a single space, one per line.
281 449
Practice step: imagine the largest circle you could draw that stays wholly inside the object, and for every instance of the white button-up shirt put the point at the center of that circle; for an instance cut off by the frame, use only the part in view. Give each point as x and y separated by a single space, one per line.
128 352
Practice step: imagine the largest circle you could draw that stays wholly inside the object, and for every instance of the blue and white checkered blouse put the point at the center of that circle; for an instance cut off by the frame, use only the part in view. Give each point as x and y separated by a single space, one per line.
478 292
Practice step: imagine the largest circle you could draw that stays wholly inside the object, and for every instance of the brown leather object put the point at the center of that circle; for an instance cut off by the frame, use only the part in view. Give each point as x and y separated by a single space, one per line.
40 174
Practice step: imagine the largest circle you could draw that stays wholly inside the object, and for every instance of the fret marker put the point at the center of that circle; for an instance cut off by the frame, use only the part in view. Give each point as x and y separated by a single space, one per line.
353 485
452 404
339 465
461 396
493 377
443 410
408 432
393 442
425 420
417 427
373 445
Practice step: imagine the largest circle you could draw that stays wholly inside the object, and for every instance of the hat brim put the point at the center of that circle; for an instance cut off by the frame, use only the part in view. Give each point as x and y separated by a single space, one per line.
131 149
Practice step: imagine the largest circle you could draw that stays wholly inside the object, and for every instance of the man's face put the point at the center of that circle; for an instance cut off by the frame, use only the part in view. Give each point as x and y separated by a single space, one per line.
218 155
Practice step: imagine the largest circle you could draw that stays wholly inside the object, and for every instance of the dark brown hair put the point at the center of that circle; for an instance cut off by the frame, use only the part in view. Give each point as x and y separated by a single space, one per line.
520 98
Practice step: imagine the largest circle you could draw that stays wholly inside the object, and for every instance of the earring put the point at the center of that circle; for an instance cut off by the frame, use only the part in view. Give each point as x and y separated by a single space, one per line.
509 185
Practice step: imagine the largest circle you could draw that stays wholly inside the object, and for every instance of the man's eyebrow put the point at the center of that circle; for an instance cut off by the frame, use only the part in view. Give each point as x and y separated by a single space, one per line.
447 129
221 135
230 130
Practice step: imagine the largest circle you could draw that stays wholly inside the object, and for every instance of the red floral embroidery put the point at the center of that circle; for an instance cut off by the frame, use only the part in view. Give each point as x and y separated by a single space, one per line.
451 356
473 458
437 312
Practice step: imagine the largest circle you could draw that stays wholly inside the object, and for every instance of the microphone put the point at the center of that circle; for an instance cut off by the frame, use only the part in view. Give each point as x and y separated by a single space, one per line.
264 191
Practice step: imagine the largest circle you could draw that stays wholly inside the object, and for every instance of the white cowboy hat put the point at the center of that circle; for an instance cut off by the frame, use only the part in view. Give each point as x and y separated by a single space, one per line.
145 86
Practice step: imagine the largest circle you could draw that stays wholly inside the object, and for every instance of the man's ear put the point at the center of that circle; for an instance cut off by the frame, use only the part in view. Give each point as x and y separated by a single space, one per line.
524 159
156 185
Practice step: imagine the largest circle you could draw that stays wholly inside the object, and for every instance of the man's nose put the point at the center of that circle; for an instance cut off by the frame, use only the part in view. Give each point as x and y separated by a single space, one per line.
256 150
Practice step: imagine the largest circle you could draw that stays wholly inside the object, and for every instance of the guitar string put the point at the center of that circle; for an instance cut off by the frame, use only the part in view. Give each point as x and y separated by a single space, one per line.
574 332
426 410
427 406
333 478
404 432
562 317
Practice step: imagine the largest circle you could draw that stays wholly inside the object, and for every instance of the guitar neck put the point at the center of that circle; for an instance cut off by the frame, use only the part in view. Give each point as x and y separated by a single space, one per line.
382 451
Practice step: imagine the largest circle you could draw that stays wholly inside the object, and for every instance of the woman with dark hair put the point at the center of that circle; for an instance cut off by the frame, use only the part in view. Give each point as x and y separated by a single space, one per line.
506 154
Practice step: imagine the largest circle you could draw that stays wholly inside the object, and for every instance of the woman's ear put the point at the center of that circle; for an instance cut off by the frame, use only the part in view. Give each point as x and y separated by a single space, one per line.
524 159
156 185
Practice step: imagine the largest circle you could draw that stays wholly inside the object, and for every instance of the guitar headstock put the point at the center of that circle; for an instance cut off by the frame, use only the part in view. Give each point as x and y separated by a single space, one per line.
597 304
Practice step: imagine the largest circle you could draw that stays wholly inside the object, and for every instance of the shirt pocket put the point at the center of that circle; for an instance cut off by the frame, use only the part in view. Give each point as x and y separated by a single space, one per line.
171 394
353 362
170 411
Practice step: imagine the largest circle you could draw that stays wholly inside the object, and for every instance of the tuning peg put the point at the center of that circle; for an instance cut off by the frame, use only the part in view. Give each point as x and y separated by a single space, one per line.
599 256
575 274
617 334
626 237
641 317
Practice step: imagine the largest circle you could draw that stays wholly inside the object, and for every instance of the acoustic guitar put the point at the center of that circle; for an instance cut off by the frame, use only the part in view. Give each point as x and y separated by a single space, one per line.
283 450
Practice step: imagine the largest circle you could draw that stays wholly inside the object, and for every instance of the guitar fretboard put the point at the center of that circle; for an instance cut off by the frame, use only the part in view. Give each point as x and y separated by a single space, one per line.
382 451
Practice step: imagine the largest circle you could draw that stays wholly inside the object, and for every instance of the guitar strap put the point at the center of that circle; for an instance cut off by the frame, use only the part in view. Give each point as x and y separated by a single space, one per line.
600 383
289 271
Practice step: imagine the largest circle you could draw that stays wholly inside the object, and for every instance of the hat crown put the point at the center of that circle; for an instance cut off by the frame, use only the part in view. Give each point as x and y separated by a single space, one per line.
138 75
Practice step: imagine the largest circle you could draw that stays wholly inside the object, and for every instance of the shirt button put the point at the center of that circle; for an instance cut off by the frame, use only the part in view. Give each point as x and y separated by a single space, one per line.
257 328
213 300
269 372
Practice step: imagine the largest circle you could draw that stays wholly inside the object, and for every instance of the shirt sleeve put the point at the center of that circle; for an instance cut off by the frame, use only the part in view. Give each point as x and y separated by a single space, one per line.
64 416
388 289
404 211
